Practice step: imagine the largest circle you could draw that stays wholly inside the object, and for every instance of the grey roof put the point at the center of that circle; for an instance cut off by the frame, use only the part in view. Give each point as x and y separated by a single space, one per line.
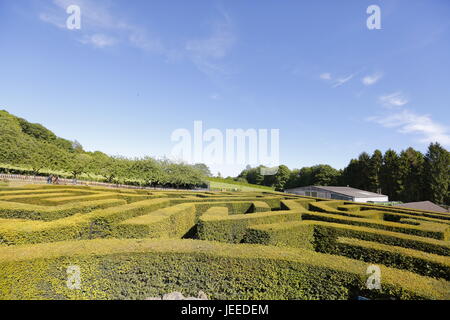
347 191
422 205
352 192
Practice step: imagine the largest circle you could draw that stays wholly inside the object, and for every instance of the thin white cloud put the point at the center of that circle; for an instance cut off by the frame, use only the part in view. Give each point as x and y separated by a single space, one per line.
326 76
372 79
341 81
206 53
396 99
408 122
100 27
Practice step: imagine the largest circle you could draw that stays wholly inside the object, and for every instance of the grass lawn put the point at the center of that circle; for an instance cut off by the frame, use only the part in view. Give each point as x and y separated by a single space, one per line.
216 183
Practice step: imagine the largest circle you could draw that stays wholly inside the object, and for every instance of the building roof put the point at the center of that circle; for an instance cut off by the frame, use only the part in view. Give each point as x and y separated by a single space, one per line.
422 205
352 192
347 191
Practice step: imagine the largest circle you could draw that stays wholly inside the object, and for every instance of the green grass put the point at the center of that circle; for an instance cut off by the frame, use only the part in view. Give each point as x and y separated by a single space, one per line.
230 185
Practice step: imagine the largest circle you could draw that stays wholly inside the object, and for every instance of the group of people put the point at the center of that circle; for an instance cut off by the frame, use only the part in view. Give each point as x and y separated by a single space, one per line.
52 179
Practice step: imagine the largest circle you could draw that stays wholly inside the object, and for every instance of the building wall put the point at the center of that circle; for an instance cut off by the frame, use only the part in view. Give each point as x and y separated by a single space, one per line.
319 193
374 199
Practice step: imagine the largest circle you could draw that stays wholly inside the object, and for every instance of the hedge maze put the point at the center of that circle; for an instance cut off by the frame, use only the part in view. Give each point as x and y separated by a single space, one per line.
66 242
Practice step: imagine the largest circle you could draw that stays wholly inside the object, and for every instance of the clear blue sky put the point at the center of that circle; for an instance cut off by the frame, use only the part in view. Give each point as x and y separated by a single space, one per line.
138 70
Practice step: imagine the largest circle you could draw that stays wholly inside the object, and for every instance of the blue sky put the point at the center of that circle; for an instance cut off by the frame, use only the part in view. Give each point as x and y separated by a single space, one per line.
138 70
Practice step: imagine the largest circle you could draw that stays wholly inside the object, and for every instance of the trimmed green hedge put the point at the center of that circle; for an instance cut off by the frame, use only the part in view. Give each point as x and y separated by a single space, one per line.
234 207
138 269
172 222
96 224
437 231
260 206
297 234
273 202
47 213
217 211
234 227
290 231
333 207
426 264
38 199
327 238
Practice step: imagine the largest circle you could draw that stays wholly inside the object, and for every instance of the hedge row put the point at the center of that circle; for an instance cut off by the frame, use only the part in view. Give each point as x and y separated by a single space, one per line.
419 262
437 231
47 213
393 249
129 198
139 269
78 199
233 228
234 207
260 206
325 207
273 202
296 234
172 222
32 190
295 204
38 199
293 234
42 188
399 217
416 212
96 224
217 211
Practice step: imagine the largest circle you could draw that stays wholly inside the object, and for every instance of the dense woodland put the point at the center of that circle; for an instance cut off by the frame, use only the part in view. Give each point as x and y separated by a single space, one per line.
407 176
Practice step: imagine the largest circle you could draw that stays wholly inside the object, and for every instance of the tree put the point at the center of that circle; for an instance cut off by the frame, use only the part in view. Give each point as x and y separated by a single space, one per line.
437 174
38 160
203 168
281 177
375 164
390 178
293 180
253 175
411 174
80 164
324 175
351 174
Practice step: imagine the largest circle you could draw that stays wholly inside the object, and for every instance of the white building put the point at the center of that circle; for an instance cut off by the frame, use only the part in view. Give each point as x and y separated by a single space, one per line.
339 193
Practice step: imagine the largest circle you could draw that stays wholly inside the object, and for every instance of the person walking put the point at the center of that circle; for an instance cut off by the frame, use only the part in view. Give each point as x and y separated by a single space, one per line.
50 179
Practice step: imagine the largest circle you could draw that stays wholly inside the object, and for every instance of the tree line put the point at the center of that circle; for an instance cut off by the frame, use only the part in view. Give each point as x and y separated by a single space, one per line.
407 176
39 151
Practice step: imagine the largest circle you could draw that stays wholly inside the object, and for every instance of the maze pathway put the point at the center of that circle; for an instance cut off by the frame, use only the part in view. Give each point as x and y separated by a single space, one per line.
59 242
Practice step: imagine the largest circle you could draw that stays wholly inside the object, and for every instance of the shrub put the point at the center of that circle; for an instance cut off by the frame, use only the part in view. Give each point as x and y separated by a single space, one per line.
137 269
266 245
